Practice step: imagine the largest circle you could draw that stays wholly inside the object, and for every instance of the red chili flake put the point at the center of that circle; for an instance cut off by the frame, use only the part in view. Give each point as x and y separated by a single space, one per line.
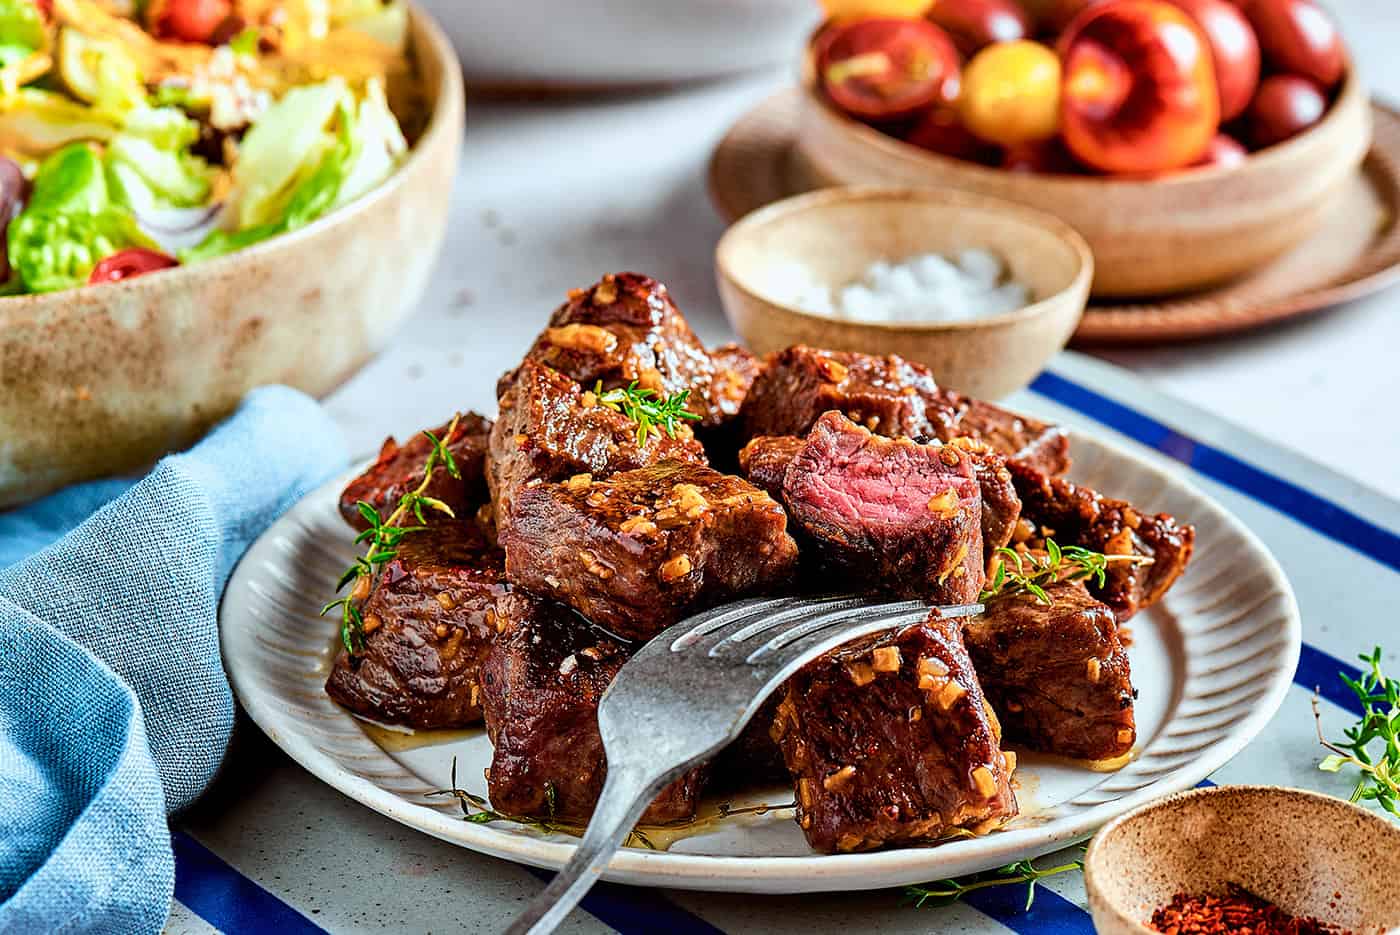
1239 912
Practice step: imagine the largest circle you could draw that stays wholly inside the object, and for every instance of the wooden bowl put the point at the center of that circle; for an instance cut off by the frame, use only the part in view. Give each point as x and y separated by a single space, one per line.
1297 849
1150 237
104 379
836 233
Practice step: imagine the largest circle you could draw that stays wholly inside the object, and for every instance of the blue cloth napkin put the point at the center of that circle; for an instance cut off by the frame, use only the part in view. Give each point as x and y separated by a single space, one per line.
114 709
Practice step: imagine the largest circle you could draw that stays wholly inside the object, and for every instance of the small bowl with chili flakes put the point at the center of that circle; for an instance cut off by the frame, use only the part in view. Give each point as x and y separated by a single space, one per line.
1233 858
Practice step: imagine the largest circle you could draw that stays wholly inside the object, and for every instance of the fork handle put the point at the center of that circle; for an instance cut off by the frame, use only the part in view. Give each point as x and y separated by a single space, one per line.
626 794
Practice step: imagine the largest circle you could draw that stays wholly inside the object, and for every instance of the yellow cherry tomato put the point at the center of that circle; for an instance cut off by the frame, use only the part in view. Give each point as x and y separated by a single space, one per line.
1011 93
845 9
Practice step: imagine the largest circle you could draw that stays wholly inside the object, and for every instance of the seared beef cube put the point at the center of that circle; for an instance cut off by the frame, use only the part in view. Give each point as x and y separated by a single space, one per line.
764 461
1057 675
541 684
550 429
1075 515
626 328
1001 506
399 469
884 394
891 396
429 621
1040 445
889 741
888 515
639 550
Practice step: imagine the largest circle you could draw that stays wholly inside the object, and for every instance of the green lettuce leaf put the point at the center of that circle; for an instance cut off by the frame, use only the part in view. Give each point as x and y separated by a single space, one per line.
283 148
21 25
69 224
143 175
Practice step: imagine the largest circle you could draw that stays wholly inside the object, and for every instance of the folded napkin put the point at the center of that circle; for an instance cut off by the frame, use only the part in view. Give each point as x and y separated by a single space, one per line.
114 709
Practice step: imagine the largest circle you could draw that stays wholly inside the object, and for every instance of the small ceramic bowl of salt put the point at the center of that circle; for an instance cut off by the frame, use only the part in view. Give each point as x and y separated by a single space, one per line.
982 291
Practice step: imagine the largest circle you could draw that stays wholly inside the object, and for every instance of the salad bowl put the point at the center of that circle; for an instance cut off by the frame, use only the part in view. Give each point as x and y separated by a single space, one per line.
105 378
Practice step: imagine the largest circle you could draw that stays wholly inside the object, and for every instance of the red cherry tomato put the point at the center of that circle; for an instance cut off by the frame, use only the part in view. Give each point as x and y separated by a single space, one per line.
973 24
187 20
1223 152
1285 106
133 261
45 7
1234 50
1139 88
883 68
1298 36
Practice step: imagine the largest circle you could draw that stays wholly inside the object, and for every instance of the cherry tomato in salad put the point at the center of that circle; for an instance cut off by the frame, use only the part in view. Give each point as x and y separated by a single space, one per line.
133 261
187 20
884 68
45 7
1011 93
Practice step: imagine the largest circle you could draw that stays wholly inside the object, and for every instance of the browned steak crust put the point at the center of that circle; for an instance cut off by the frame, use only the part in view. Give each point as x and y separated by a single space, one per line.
888 515
638 550
399 469
625 328
890 396
1057 675
764 461
889 741
1072 514
429 621
541 684
550 429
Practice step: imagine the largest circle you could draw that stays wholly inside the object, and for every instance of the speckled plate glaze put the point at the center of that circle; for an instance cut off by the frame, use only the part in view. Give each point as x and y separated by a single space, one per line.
1212 663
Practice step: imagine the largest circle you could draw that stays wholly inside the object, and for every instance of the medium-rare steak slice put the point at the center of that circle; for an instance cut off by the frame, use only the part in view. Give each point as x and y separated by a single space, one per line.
638 550
625 328
1072 514
889 741
399 469
765 459
541 684
891 396
1057 675
429 621
549 429
888 515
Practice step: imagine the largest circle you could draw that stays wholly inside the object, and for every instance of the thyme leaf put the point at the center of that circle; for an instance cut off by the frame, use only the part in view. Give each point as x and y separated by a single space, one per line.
382 538
1030 572
947 892
1372 745
653 414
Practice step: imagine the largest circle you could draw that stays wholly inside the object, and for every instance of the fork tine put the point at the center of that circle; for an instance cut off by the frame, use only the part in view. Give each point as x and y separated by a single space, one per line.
708 622
772 621
835 616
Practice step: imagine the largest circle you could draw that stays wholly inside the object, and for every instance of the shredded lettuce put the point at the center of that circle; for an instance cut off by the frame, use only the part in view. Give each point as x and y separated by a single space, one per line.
69 224
147 176
284 147
380 145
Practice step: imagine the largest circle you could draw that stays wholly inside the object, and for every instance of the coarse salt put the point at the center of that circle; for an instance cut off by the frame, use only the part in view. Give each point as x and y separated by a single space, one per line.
928 287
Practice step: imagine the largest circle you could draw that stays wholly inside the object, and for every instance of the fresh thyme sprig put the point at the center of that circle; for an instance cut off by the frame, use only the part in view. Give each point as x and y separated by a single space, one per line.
651 413
947 892
383 537
1032 571
1379 779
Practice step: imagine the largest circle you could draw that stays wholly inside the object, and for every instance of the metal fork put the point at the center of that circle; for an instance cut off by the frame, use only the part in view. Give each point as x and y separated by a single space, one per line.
688 693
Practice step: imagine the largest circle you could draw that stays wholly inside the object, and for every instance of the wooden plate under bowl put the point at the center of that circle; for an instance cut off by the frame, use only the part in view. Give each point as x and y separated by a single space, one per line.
1355 251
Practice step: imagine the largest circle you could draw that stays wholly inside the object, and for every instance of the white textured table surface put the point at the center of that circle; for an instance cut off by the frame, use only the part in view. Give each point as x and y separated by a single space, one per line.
550 196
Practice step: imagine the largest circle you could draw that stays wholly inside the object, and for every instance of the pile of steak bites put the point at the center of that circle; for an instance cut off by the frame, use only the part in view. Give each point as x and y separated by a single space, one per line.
576 541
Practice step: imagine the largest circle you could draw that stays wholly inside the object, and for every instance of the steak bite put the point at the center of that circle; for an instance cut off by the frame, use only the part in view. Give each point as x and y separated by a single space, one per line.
1075 515
429 621
638 550
625 328
889 741
884 394
541 685
888 515
549 429
399 469
765 459
1057 675
891 396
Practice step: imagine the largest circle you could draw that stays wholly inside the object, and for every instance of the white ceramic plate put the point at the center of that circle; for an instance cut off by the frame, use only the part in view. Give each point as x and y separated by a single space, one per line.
1212 664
